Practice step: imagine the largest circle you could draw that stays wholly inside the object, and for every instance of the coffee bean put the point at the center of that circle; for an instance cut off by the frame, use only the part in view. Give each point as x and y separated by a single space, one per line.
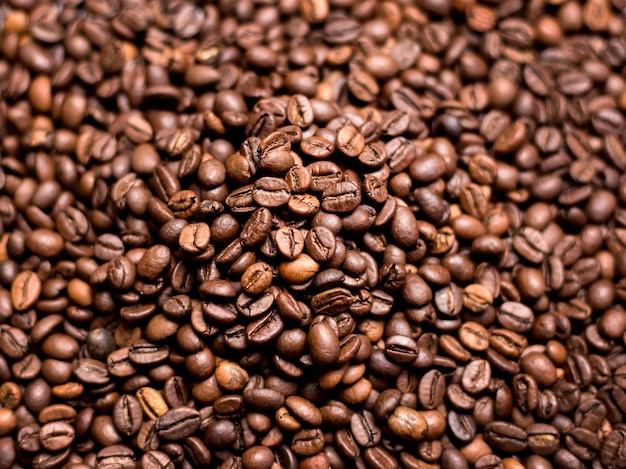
299 111
271 192
408 423
307 442
573 83
341 197
507 342
116 456
263 399
14 342
178 423
323 344
91 372
25 290
506 436
476 376
8 421
350 141
56 436
461 426
121 273
153 262
543 439
183 204
432 389
540 367
364 429
151 402
127 415
336 193
401 349
515 316
256 278
474 336
264 329
157 460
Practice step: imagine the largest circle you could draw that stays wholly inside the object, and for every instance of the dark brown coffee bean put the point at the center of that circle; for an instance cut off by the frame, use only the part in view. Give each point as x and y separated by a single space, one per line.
92 372
431 389
56 436
543 439
461 426
299 111
323 344
177 423
307 442
154 261
264 329
156 460
506 436
127 415
611 448
401 349
364 429
121 273
148 354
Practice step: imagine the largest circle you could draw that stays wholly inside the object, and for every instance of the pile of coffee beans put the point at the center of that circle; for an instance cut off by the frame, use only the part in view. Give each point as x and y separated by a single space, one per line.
312 234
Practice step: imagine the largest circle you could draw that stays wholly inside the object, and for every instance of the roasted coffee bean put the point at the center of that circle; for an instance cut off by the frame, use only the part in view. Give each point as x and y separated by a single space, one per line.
323 344
415 230
530 244
408 423
476 376
515 316
506 436
461 426
147 354
364 429
543 439
474 336
25 290
116 456
256 278
341 197
307 442
157 460
127 415
270 192
56 436
91 372
264 329
176 424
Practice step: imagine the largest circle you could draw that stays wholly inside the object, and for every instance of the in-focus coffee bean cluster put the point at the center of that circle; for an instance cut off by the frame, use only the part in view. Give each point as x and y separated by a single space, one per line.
312 234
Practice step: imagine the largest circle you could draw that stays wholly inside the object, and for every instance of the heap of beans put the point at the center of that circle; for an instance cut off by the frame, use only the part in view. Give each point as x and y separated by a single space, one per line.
312 234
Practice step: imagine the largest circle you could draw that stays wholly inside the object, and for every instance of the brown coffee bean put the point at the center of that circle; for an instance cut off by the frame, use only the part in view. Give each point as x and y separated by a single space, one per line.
256 278
152 402
25 290
56 436
154 261
323 344
271 192
474 336
350 141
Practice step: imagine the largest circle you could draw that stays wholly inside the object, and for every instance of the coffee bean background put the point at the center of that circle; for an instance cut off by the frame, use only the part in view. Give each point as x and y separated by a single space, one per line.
312 234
